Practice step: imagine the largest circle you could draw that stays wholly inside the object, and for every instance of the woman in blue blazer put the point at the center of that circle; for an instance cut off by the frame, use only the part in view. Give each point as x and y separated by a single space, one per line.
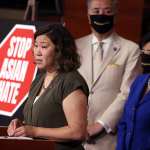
134 127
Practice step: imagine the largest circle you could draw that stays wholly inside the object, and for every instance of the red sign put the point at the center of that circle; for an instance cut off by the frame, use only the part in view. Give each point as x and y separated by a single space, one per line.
16 68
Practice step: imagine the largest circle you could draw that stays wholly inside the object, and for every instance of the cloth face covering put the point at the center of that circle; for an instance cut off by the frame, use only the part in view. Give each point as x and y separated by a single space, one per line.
102 23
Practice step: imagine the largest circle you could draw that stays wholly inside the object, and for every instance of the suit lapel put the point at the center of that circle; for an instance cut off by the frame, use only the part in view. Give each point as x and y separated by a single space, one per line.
113 50
146 97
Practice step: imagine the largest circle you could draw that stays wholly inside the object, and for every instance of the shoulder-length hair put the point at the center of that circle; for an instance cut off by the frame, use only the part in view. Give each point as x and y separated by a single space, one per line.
66 56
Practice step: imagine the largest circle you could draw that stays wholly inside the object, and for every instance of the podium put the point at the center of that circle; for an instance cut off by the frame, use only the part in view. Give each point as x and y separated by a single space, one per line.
7 143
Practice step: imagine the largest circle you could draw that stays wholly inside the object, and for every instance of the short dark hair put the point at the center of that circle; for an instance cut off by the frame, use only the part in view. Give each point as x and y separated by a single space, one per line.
66 58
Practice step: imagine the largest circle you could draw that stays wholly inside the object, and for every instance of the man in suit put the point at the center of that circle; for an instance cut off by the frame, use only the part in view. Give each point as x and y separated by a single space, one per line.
109 64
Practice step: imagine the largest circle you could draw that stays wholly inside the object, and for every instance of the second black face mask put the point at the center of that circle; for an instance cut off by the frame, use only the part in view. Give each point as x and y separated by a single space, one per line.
102 23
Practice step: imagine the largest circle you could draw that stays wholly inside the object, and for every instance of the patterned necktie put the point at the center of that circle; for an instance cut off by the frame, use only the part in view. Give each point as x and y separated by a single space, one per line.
97 60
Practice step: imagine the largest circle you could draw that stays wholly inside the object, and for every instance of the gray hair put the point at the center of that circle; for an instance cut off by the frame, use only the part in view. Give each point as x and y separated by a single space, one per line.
114 4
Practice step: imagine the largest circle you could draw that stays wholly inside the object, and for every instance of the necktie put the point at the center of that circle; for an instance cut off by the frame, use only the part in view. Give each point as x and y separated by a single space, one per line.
101 50
97 60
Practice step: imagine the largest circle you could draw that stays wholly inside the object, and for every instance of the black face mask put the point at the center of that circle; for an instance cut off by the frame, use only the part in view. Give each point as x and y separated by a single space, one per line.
146 62
102 23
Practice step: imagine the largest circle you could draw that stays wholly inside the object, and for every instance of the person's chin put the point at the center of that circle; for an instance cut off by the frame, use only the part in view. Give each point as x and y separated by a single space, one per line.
40 66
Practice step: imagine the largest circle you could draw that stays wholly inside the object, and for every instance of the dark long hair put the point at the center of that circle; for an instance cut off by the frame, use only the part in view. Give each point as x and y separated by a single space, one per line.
66 56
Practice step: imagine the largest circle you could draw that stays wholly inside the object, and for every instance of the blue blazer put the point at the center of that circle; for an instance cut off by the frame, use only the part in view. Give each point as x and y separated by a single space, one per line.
134 127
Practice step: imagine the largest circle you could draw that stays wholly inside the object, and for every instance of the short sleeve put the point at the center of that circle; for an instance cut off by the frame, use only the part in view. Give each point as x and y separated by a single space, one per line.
72 82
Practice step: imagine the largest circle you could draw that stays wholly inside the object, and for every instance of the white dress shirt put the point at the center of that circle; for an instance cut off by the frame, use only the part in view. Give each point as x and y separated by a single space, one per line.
106 43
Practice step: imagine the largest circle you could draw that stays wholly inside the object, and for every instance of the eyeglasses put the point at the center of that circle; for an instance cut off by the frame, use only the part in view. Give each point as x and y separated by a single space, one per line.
146 51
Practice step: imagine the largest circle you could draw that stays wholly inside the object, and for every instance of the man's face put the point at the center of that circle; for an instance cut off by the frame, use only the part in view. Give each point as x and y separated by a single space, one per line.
101 16
100 7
